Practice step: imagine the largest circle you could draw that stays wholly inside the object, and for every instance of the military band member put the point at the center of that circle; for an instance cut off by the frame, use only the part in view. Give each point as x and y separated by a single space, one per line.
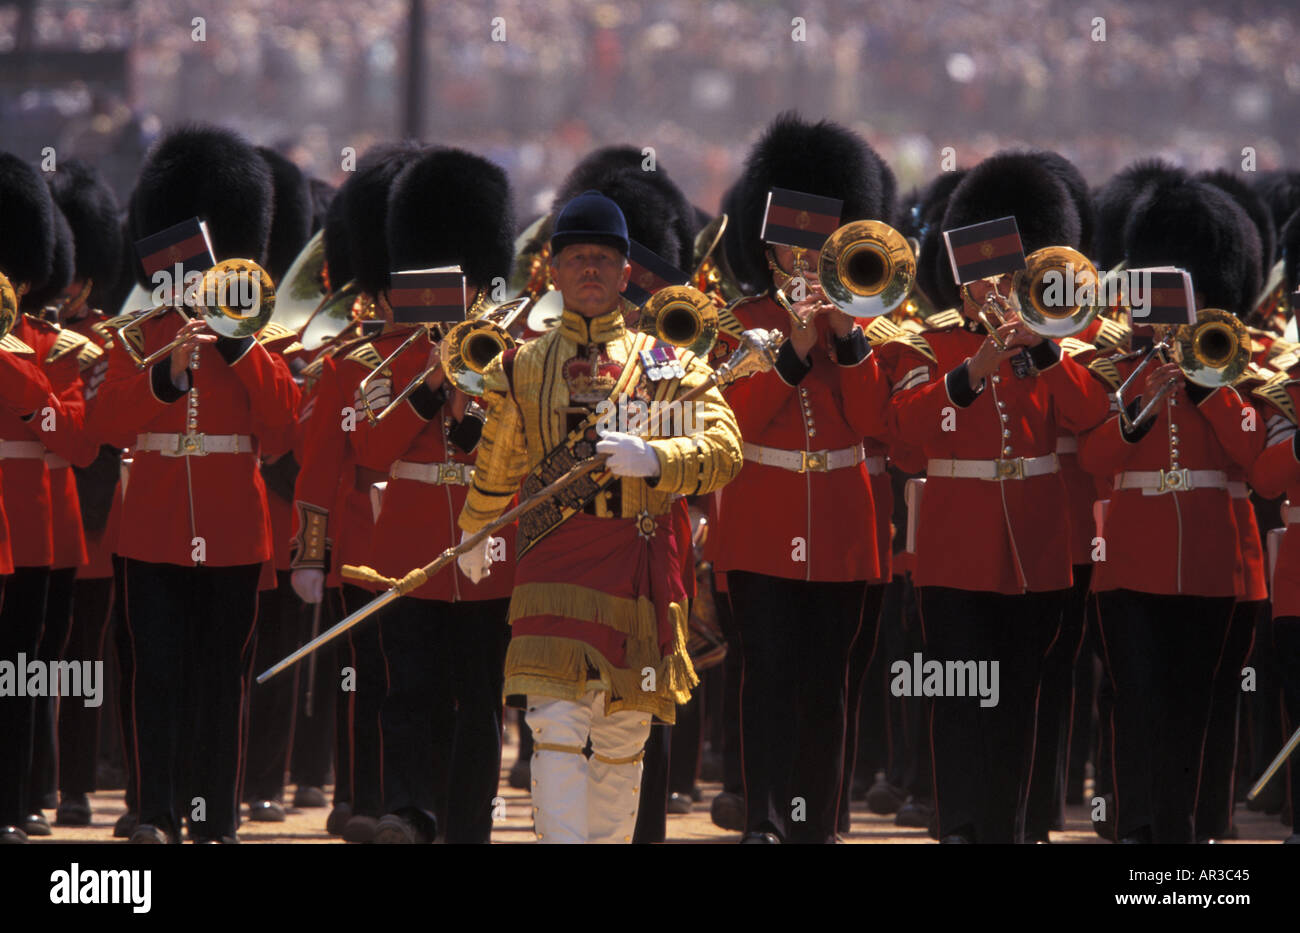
992 561
812 556
193 562
598 614
1173 564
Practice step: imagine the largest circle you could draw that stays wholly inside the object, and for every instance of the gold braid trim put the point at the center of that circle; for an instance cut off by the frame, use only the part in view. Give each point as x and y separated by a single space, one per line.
556 747
625 760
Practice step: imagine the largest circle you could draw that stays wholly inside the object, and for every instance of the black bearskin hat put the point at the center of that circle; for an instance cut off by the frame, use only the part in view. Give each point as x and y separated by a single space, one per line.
1248 200
1116 198
365 213
822 158
63 267
1008 183
928 222
27 234
1075 183
213 174
1197 227
91 209
291 213
658 214
452 207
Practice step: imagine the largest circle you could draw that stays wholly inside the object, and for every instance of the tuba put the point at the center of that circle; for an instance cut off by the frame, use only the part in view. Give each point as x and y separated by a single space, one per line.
1213 352
237 298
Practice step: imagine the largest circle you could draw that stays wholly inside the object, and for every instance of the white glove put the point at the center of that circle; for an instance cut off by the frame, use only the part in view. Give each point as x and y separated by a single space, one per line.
628 455
309 584
475 562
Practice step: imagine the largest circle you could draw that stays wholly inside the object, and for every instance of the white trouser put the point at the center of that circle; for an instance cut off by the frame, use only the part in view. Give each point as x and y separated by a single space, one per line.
576 800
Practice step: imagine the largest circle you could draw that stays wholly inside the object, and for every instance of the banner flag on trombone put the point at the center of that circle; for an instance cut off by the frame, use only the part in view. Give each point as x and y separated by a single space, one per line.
794 218
984 250
650 272
422 296
1170 297
178 251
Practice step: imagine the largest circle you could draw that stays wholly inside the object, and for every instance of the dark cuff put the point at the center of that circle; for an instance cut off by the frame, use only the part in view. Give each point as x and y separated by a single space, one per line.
789 366
426 401
1046 355
959 390
232 348
27 417
1132 436
853 349
465 433
1199 393
160 379
1295 446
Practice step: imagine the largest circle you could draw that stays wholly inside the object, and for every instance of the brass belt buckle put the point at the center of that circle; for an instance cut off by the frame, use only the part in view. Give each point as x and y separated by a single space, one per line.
1010 469
1175 480
187 445
812 460
451 473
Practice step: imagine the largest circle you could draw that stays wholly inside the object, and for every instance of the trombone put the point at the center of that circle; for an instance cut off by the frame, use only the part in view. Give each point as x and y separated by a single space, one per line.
1032 287
866 268
1213 352
229 309
8 306
683 316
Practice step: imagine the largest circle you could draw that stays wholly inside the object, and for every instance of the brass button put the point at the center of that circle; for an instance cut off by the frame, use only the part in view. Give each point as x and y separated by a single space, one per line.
1006 433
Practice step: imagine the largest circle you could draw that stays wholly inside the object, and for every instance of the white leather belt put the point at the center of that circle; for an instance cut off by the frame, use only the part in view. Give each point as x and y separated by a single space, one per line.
1237 489
1155 482
22 450
194 445
1015 468
1291 515
437 474
55 462
1069 444
808 461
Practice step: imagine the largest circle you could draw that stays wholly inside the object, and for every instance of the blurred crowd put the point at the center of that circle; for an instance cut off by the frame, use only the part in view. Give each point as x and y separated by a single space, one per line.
1193 82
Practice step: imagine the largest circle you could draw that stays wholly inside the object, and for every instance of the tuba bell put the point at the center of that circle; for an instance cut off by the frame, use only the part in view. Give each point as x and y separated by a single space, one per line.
471 345
866 268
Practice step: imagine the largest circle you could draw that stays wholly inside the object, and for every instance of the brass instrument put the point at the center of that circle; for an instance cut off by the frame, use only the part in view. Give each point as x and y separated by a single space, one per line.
1213 352
8 306
712 274
1030 286
683 316
229 314
317 309
866 268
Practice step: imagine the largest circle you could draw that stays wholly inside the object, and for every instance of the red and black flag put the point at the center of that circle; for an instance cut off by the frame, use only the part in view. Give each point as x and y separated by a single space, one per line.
984 250
794 218
424 295
177 251
649 274
1161 295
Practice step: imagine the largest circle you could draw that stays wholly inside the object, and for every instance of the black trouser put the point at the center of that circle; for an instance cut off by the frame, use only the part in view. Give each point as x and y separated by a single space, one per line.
652 798
1286 642
1265 704
1084 724
917 776
271 705
1045 809
190 629
314 726
365 656
864 646
446 667
983 755
796 637
728 678
45 735
79 723
22 617
1162 652
1215 798
684 759
126 685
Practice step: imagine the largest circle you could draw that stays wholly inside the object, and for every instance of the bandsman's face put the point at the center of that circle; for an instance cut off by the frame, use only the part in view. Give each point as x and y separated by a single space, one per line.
975 294
590 277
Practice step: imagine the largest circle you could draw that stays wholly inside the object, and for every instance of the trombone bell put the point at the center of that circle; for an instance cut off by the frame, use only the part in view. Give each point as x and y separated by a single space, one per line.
683 316
866 268
1047 270
1215 351
467 350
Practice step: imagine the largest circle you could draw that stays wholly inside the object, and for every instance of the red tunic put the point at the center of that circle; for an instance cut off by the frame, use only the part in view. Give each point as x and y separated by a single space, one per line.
1275 471
23 389
1004 536
219 497
1173 542
418 519
99 545
816 525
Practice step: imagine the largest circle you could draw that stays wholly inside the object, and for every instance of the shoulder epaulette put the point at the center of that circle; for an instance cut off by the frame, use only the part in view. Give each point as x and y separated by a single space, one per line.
68 342
918 343
41 323
292 348
88 355
1284 361
882 330
366 355
1274 392
1073 346
1280 347
944 320
273 332
113 328
1111 335
913 325
728 323
1253 374
16 346
1106 370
